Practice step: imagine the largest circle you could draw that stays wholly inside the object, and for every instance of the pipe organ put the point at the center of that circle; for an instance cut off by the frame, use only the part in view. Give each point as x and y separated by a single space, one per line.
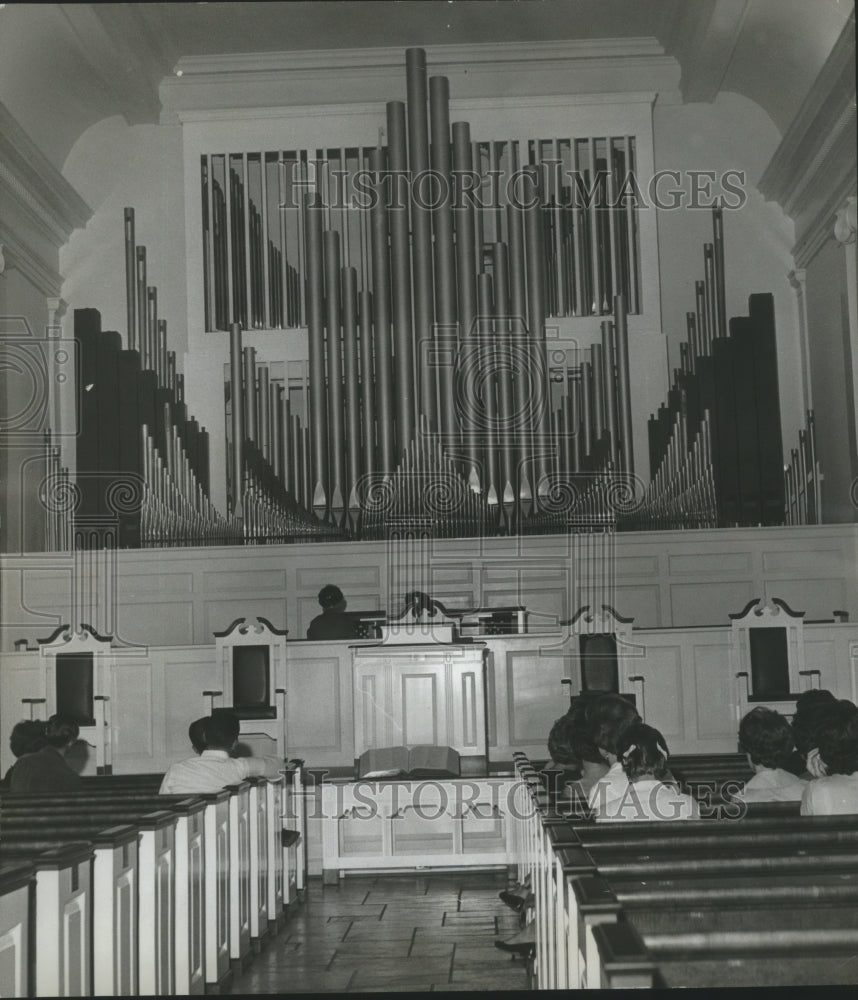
431 404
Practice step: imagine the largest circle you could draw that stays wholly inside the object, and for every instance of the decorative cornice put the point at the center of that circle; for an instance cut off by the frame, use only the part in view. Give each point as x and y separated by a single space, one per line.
821 133
39 272
846 224
31 181
332 77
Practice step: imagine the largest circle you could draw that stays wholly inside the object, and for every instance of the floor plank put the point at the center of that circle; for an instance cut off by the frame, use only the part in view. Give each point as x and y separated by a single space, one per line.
392 932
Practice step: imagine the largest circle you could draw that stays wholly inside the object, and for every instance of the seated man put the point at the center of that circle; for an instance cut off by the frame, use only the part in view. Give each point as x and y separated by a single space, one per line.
27 736
214 769
837 791
47 770
332 623
766 738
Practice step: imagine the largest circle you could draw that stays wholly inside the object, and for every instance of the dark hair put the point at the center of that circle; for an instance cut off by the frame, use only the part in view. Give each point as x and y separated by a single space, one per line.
838 738
330 595
608 716
197 734
221 730
643 751
766 737
811 709
60 731
27 736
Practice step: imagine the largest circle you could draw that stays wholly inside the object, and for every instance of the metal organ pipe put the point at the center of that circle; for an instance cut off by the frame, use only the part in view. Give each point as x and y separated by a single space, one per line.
351 383
444 257
404 332
625 398
503 373
467 291
263 403
315 336
237 419
486 385
336 440
130 307
381 319
609 361
367 387
250 418
421 227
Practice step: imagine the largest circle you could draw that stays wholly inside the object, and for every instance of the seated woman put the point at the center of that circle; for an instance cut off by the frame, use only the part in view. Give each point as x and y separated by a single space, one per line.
608 718
574 753
47 769
651 792
766 738
812 708
836 791
27 736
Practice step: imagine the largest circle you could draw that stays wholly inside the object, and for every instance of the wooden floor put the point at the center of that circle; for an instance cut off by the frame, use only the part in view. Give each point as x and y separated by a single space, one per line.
392 932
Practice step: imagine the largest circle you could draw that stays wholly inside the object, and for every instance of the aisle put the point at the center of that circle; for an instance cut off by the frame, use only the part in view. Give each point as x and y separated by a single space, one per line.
392 932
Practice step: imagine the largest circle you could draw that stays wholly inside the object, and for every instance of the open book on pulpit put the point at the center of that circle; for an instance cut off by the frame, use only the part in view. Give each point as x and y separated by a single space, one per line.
424 761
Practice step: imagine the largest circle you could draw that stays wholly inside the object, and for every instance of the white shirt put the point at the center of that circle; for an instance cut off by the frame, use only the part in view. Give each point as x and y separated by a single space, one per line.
214 770
608 789
772 784
836 794
647 798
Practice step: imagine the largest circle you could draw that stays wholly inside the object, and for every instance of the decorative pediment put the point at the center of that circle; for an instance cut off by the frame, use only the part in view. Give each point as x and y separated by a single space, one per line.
776 611
607 620
68 640
259 627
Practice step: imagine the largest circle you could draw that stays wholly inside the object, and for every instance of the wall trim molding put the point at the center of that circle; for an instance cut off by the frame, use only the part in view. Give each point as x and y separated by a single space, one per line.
33 266
27 176
817 153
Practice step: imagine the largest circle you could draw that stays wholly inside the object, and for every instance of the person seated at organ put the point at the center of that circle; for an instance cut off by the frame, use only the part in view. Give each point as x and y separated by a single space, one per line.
811 710
46 769
608 717
333 622
213 768
651 792
27 736
836 791
766 738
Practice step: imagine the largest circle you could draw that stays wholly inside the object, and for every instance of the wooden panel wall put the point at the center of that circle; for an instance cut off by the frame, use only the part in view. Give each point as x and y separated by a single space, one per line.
179 597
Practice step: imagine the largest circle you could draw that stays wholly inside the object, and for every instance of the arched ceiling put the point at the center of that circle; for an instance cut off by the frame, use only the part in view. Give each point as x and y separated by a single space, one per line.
65 66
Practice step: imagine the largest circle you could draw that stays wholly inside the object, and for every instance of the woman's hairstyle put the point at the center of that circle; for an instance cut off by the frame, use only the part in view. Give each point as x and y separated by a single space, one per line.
766 737
811 709
27 736
608 716
330 596
642 751
838 738
569 741
61 730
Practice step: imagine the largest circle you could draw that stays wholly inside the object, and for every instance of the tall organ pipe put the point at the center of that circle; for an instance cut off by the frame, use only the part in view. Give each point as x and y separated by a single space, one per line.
351 383
720 292
609 361
237 417
503 372
336 440
381 324
518 341
405 333
250 416
466 284
625 397
142 326
598 391
535 256
130 308
486 385
367 384
445 259
316 335
263 401
421 222
586 411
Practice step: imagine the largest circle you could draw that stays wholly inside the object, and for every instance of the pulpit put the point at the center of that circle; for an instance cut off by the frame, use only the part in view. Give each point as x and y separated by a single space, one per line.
422 684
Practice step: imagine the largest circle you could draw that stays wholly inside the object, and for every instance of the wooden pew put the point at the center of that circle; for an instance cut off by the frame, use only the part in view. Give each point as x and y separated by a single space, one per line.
63 932
17 910
86 816
114 880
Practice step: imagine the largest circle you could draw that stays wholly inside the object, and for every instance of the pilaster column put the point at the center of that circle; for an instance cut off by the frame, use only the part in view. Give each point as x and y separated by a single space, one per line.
798 280
846 233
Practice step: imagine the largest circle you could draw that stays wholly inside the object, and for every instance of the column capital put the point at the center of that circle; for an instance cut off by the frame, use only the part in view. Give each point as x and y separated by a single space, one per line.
56 307
798 279
846 222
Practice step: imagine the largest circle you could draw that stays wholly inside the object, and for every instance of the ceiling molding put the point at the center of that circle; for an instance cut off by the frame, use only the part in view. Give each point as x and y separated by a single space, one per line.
364 76
32 265
117 41
28 177
706 43
825 117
